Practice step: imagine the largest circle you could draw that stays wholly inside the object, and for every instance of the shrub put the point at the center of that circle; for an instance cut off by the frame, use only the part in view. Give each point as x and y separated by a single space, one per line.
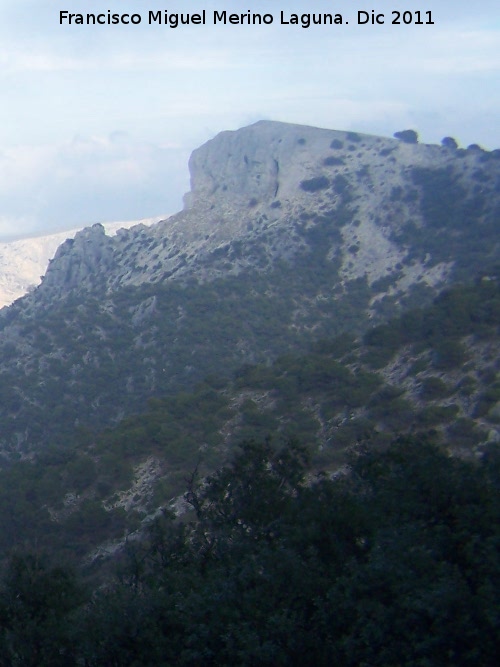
449 142
384 152
407 136
449 354
437 414
467 386
332 161
353 136
315 184
475 148
341 184
433 387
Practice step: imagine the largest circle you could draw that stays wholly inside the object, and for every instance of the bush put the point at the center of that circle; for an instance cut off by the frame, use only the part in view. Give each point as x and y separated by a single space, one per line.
433 388
332 161
407 136
353 136
449 354
436 414
449 142
315 184
341 184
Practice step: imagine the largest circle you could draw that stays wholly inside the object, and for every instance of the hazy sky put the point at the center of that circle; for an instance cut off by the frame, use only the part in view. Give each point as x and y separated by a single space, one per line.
97 122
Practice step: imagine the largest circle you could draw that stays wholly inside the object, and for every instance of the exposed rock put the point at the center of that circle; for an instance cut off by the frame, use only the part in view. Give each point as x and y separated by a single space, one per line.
24 261
80 259
144 311
290 234
142 487
257 183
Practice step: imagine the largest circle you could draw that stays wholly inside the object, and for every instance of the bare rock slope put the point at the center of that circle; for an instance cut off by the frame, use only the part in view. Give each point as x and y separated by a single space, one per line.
274 181
24 261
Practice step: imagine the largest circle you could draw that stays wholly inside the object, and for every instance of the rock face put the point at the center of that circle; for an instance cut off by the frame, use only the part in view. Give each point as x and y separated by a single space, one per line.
82 258
290 234
261 181
24 261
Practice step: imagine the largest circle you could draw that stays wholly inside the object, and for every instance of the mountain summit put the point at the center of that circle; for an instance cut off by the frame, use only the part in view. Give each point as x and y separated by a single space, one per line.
289 234
268 185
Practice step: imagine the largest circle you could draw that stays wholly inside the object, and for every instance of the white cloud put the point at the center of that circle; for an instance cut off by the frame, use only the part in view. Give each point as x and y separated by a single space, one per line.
10 225
16 60
461 52
171 89
87 180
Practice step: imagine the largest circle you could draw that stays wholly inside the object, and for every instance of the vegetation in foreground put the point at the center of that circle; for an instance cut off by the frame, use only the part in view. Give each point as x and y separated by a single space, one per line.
393 563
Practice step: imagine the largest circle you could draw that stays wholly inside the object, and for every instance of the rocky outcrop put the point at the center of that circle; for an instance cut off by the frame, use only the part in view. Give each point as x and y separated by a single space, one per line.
262 162
266 185
24 261
77 260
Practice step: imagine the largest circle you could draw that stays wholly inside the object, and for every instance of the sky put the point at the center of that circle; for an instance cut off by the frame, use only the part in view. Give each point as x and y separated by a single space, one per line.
97 122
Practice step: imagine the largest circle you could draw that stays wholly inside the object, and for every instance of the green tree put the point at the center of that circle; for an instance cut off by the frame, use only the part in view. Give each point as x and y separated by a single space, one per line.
35 610
407 136
245 497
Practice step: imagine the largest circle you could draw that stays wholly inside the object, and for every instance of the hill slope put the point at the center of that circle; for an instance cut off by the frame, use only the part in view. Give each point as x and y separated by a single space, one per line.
432 373
289 234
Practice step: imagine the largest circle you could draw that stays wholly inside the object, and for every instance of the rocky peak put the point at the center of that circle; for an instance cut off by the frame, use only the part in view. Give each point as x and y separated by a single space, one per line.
24 260
79 259
260 190
260 161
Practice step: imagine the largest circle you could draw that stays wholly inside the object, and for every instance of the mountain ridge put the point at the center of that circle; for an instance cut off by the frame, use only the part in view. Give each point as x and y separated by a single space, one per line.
23 261
257 180
289 234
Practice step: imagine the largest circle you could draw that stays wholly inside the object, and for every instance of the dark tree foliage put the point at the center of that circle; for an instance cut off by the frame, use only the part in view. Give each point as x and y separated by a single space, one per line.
449 142
407 136
392 563
353 136
315 184
475 148
36 613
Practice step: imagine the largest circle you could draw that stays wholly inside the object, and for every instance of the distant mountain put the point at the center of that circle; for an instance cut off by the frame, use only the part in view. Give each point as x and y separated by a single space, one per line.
290 234
24 261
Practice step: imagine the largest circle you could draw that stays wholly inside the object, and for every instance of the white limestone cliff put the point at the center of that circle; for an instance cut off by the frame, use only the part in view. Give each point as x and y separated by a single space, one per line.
24 261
